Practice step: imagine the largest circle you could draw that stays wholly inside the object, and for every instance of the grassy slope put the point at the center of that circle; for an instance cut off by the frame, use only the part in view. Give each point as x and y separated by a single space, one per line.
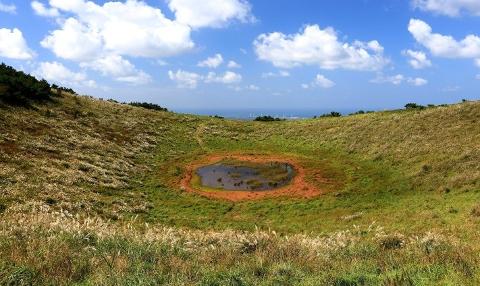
410 172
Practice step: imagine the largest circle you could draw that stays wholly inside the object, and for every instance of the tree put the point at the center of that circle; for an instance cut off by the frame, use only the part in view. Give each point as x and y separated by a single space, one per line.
19 88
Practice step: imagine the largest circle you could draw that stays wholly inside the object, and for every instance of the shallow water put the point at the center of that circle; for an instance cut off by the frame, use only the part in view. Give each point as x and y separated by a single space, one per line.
231 177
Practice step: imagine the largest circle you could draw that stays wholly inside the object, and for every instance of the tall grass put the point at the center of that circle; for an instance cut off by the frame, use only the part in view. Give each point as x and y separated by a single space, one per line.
49 247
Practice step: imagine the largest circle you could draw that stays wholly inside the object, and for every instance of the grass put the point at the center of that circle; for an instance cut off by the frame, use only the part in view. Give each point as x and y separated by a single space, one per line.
91 196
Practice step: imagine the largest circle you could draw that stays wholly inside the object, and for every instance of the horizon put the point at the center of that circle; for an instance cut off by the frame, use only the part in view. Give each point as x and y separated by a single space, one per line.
242 55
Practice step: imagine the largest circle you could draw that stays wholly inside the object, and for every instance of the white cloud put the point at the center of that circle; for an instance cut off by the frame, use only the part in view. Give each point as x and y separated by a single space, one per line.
477 62
314 46
418 60
185 79
276 74
40 9
13 45
399 79
210 13
319 81
444 46
212 62
418 81
253 87
395 79
233 65
58 73
227 78
323 82
74 42
95 30
450 8
118 68
8 8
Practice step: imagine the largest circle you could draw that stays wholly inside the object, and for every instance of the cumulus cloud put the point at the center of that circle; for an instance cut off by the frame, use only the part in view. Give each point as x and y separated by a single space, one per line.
8 8
233 65
417 59
118 68
323 82
210 13
74 41
399 79
58 73
13 45
40 9
227 78
321 47
95 30
185 79
418 81
319 81
276 74
212 62
89 33
444 46
452 8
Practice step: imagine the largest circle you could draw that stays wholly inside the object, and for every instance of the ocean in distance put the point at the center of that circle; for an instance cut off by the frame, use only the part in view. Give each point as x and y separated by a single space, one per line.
250 114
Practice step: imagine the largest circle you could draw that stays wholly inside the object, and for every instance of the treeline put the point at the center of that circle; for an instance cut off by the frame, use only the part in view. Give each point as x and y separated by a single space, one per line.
19 88
268 118
61 89
147 105
408 106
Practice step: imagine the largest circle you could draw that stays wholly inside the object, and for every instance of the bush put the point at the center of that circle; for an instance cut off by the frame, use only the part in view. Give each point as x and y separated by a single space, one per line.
410 106
61 88
268 118
331 114
147 105
19 88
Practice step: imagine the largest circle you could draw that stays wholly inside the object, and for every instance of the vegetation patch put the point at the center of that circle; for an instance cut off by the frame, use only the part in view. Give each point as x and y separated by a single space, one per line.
19 88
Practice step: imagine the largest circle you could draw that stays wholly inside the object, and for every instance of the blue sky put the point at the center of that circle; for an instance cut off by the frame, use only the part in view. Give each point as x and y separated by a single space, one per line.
234 54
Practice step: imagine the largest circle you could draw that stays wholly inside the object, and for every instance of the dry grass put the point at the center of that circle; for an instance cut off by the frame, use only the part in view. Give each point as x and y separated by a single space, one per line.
45 246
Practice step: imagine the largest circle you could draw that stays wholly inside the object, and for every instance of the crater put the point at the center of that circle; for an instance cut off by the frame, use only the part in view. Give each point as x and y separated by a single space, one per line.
236 175
239 177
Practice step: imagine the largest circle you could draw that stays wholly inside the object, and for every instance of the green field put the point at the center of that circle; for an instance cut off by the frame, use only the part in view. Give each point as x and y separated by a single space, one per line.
90 195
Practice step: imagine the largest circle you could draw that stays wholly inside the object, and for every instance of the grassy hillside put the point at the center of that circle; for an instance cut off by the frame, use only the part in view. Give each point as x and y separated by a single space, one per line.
90 194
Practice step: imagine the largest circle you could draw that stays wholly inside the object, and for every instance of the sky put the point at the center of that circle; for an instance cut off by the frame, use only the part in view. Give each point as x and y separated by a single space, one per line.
250 54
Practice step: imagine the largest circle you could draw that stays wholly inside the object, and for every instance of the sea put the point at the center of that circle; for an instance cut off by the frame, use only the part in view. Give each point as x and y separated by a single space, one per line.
250 114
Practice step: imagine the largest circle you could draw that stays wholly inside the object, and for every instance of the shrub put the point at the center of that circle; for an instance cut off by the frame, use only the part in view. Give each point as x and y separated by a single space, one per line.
147 105
331 114
410 106
59 89
268 118
19 88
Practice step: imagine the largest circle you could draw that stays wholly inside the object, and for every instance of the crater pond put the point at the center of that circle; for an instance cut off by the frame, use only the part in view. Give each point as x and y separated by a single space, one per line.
246 176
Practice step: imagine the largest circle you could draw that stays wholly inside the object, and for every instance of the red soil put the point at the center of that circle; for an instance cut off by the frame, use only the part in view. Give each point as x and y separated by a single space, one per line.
299 187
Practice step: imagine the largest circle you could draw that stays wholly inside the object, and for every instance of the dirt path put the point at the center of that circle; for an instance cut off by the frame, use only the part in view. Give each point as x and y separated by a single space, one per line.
299 187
